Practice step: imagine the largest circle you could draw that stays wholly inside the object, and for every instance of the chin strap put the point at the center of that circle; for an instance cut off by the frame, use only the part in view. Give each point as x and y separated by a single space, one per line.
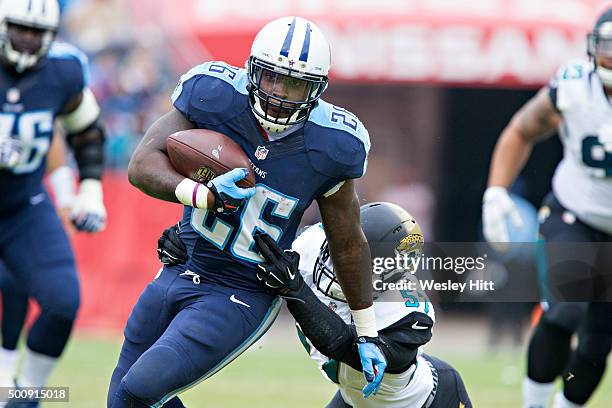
269 126
605 75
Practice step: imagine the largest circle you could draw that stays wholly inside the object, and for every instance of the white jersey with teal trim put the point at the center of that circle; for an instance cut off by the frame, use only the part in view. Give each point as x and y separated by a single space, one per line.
408 389
583 179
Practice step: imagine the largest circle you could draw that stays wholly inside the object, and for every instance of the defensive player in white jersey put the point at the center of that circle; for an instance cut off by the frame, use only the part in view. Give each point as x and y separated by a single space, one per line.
576 103
305 277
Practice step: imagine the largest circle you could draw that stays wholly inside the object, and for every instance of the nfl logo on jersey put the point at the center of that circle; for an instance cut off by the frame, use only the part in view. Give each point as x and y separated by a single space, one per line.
13 95
261 153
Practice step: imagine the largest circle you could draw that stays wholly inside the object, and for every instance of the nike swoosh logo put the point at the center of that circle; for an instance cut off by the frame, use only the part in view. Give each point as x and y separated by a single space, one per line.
291 275
240 302
37 199
416 326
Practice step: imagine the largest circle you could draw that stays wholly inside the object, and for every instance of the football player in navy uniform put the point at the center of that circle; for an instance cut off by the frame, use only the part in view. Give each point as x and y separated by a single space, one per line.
192 320
42 81
14 296
305 278
579 210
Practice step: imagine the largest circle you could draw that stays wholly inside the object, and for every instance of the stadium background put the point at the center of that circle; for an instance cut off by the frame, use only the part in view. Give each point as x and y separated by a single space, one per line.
434 82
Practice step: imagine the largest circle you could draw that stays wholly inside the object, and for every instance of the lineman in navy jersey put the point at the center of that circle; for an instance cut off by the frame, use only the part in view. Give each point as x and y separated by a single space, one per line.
307 150
305 277
41 81
578 210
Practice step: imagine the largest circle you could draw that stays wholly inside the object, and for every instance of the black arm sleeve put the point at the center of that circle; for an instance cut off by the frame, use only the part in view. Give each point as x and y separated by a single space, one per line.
330 335
327 332
88 148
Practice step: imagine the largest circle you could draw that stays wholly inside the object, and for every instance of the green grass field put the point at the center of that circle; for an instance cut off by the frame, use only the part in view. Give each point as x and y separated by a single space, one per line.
279 374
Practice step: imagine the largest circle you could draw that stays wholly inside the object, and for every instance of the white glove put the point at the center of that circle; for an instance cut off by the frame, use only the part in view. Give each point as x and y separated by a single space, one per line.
10 152
88 212
497 207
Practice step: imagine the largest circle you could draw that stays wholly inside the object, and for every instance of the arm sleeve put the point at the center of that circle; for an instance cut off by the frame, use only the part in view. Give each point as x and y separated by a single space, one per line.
327 332
330 335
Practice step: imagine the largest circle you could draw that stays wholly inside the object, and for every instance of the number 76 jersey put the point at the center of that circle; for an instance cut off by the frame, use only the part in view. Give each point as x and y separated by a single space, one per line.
291 172
583 179
30 103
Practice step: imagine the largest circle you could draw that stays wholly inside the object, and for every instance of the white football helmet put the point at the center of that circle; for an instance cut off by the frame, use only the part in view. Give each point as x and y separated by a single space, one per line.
288 66
39 14
600 43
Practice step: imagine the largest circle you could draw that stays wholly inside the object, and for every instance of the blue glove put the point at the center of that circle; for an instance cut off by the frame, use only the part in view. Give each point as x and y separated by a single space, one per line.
10 152
228 196
373 363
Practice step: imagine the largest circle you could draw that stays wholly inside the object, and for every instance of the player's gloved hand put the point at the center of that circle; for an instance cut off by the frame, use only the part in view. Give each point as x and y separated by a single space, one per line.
170 249
88 212
373 363
228 196
280 271
10 152
497 208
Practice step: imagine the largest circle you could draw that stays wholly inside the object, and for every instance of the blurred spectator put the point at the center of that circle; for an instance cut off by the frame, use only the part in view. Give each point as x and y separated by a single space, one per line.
130 74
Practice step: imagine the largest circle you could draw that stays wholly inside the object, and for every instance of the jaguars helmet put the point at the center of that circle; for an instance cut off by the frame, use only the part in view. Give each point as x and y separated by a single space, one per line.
288 52
599 42
42 15
390 231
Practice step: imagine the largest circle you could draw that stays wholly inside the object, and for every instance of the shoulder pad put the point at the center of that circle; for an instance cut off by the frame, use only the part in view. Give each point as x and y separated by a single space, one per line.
571 86
337 142
207 93
73 65
311 238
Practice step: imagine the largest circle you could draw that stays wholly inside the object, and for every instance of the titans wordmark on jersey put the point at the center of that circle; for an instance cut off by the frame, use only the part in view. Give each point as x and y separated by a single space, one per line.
390 307
30 102
583 179
329 148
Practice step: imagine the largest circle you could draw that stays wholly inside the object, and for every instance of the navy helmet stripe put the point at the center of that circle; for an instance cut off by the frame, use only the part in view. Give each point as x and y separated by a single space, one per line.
287 44
30 5
306 45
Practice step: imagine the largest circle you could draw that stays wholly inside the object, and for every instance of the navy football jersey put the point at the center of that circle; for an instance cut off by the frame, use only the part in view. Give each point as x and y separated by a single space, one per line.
291 172
30 103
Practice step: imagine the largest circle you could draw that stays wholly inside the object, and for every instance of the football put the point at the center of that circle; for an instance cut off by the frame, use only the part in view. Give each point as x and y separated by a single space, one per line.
202 155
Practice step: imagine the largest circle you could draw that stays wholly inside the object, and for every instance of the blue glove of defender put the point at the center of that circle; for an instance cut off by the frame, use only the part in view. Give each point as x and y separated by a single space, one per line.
373 363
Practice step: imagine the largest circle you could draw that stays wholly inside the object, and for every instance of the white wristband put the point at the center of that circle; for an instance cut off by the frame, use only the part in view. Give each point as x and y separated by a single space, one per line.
63 186
365 322
192 194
